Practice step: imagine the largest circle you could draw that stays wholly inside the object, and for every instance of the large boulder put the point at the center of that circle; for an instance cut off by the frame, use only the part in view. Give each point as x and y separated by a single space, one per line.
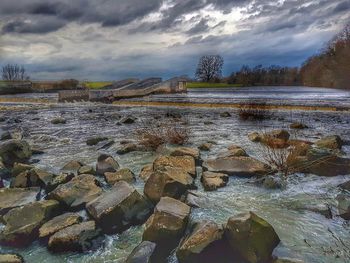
330 142
143 253
106 163
205 244
186 163
22 223
12 151
11 258
59 222
78 237
124 174
57 180
77 192
212 181
237 166
186 151
19 168
72 167
319 162
33 177
169 181
15 197
119 208
251 237
166 226
344 206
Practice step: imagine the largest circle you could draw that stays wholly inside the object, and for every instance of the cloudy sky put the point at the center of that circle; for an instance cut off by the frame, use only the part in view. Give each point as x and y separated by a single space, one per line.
114 39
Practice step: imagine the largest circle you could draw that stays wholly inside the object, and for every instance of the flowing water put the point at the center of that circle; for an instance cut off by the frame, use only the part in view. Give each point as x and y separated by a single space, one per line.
304 234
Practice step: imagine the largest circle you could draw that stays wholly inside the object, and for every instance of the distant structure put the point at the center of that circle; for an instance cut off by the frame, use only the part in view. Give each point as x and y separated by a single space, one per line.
129 88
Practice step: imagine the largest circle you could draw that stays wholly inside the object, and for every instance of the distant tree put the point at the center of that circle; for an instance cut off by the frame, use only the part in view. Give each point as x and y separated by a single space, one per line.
14 72
209 68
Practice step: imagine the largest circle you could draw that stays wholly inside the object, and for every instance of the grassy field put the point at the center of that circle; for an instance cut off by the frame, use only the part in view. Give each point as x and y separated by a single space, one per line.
96 84
192 85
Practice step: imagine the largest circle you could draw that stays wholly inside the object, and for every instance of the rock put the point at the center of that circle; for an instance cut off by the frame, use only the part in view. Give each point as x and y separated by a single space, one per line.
192 199
86 170
204 244
128 120
186 163
237 166
298 125
205 147
12 151
72 166
119 208
166 226
78 191
251 237
20 167
278 134
345 186
143 253
271 182
6 136
59 222
184 151
78 237
95 140
37 151
319 162
255 137
127 148
212 181
330 142
11 258
322 209
22 223
15 197
121 175
170 181
106 163
225 114
146 172
233 151
58 120
32 177
4 172
344 206
59 179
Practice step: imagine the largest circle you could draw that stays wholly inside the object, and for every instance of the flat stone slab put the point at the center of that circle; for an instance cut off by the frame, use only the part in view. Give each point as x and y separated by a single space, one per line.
15 197
237 166
58 223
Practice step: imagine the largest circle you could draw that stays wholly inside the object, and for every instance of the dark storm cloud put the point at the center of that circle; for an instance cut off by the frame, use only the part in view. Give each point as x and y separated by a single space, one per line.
38 26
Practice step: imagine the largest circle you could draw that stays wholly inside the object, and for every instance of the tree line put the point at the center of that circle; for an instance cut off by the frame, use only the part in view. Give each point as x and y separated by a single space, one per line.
330 68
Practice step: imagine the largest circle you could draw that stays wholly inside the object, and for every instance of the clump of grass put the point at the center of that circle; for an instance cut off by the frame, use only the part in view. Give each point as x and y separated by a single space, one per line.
252 111
159 132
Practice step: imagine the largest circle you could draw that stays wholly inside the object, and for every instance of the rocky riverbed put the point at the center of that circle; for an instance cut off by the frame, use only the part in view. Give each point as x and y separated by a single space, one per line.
83 160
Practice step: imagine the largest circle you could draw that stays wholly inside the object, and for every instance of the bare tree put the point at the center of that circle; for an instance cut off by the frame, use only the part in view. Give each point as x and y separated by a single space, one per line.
209 68
14 72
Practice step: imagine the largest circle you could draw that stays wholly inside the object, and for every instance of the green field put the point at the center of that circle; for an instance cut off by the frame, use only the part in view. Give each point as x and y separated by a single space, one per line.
192 85
97 84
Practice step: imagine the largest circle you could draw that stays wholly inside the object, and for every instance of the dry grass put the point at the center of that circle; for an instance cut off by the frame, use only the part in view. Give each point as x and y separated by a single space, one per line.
252 111
158 132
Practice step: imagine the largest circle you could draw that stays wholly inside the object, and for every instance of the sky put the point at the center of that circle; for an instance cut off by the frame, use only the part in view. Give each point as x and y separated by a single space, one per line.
115 39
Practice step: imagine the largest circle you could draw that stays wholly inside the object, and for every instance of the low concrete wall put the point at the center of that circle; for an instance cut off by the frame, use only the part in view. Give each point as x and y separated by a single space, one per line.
73 95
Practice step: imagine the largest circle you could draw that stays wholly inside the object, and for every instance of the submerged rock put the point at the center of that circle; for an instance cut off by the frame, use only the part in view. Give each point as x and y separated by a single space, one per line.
204 245
287 260
298 125
330 142
78 237
128 148
212 181
251 237
143 253
12 151
238 166
15 197
225 114
186 163
22 223
344 206
106 163
119 208
166 226
95 140
124 174
169 181
128 120
77 192
58 223
205 146
59 120
11 258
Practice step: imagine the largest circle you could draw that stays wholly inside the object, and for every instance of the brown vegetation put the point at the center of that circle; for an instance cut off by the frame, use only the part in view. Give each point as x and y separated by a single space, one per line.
252 111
